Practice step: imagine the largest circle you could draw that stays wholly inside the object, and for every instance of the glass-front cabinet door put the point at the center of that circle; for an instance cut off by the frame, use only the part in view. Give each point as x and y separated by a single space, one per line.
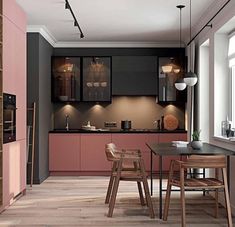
66 79
169 70
96 79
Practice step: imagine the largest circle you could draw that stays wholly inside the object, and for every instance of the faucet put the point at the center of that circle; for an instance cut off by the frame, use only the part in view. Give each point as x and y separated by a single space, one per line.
67 122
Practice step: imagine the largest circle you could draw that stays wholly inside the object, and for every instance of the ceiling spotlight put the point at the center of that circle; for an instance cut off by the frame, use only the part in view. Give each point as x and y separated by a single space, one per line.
81 36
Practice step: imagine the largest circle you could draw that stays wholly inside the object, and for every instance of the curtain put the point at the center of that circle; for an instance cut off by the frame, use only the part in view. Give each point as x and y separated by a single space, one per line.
190 92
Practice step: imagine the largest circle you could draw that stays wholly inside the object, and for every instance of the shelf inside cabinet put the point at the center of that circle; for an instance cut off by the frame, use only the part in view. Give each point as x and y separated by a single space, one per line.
96 83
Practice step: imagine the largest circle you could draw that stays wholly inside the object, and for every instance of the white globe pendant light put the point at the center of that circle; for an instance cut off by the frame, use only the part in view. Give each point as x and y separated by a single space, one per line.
190 78
180 84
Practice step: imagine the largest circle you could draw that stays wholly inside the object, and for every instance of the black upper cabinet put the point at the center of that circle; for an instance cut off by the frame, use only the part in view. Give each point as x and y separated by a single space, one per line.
66 79
134 75
96 79
166 84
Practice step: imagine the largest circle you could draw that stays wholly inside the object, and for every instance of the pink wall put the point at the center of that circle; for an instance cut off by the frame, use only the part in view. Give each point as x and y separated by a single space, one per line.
14 82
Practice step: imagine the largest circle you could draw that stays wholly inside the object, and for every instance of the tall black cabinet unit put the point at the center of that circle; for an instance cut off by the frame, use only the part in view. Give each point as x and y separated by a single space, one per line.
96 79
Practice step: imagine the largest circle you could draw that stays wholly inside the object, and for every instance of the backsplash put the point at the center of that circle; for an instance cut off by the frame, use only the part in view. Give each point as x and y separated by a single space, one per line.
142 111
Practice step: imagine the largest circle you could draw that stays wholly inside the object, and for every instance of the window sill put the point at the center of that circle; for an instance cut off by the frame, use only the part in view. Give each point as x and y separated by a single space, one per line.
225 139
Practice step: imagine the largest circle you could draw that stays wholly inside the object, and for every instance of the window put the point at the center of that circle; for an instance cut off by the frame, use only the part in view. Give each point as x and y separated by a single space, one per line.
233 96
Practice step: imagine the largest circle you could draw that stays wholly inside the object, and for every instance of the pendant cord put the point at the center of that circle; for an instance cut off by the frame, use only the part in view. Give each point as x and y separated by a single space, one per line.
180 27
190 14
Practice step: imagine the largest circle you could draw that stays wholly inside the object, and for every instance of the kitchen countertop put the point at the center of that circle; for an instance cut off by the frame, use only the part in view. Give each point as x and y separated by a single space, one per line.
116 131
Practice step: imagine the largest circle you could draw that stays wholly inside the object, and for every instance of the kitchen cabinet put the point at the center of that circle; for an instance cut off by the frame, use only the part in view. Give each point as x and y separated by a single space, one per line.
66 78
169 70
93 152
64 152
13 81
96 82
85 152
14 173
134 75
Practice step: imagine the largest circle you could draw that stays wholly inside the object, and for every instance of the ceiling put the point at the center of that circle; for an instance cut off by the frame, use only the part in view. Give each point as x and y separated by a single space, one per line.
115 20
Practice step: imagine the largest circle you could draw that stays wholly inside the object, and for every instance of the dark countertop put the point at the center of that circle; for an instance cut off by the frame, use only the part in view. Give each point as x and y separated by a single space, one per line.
117 131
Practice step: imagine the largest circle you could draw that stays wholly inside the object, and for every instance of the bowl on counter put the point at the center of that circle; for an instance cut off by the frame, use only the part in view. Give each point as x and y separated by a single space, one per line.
63 98
88 127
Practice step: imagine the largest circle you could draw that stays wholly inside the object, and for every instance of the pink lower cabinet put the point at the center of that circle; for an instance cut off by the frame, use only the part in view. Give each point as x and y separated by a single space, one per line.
136 141
14 161
64 152
168 138
93 156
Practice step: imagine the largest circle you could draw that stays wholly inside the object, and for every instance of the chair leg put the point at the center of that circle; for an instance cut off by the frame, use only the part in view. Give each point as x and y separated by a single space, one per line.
227 201
216 203
216 196
146 189
108 194
182 196
115 189
142 202
168 193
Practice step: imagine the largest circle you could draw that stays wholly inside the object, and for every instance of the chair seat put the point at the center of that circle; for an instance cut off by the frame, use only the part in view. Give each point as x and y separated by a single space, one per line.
199 182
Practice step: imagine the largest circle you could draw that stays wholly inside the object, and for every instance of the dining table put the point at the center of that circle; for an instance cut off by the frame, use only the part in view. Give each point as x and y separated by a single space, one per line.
168 149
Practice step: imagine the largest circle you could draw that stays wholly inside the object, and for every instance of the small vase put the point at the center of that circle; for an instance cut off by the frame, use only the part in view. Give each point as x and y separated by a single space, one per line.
196 144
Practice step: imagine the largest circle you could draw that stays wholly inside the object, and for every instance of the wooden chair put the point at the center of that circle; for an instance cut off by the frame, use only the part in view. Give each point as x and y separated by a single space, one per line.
111 152
120 171
198 161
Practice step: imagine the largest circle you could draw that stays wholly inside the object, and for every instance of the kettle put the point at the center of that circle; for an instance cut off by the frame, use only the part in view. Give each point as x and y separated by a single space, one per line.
126 125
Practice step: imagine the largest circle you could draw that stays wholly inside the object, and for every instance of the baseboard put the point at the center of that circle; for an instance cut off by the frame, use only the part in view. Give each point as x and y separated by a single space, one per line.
38 180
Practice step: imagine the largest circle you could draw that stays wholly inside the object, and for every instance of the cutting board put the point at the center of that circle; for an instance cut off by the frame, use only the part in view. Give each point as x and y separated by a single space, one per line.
171 122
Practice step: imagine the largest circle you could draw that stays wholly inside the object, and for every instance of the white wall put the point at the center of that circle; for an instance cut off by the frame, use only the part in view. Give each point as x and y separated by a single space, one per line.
209 33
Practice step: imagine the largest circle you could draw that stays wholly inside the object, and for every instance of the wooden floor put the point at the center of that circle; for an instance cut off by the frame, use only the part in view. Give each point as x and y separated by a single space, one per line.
79 201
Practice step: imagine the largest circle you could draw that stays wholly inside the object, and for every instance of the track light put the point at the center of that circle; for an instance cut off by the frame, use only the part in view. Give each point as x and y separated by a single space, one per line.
67 6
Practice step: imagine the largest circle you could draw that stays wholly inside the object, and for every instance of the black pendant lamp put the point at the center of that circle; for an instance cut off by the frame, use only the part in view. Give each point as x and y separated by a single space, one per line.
180 84
190 78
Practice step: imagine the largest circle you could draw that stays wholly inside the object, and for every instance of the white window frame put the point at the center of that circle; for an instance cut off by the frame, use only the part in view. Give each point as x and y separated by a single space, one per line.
232 95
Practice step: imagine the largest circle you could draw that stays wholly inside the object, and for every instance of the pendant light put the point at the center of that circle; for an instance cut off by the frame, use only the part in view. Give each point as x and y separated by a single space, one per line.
190 78
180 84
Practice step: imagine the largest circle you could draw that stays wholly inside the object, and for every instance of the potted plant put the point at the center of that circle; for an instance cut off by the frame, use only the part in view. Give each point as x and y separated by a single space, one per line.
196 142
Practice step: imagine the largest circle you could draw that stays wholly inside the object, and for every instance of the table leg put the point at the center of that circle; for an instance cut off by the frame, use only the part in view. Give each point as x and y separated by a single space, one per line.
204 175
151 174
160 186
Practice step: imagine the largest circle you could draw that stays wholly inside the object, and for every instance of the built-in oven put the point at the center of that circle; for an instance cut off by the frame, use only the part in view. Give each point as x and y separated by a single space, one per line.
9 118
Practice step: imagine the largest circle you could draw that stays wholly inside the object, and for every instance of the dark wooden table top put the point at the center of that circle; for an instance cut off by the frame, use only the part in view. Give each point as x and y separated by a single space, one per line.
168 149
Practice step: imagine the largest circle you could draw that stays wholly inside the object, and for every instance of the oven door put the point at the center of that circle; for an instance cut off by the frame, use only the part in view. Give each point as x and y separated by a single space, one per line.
9 123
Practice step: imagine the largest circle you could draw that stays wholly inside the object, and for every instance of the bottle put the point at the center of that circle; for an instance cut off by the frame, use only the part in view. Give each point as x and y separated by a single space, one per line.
158 124
162 123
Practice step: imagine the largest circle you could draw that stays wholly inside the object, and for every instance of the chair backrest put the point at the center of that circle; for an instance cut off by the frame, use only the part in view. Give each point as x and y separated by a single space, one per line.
110 150
206 161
